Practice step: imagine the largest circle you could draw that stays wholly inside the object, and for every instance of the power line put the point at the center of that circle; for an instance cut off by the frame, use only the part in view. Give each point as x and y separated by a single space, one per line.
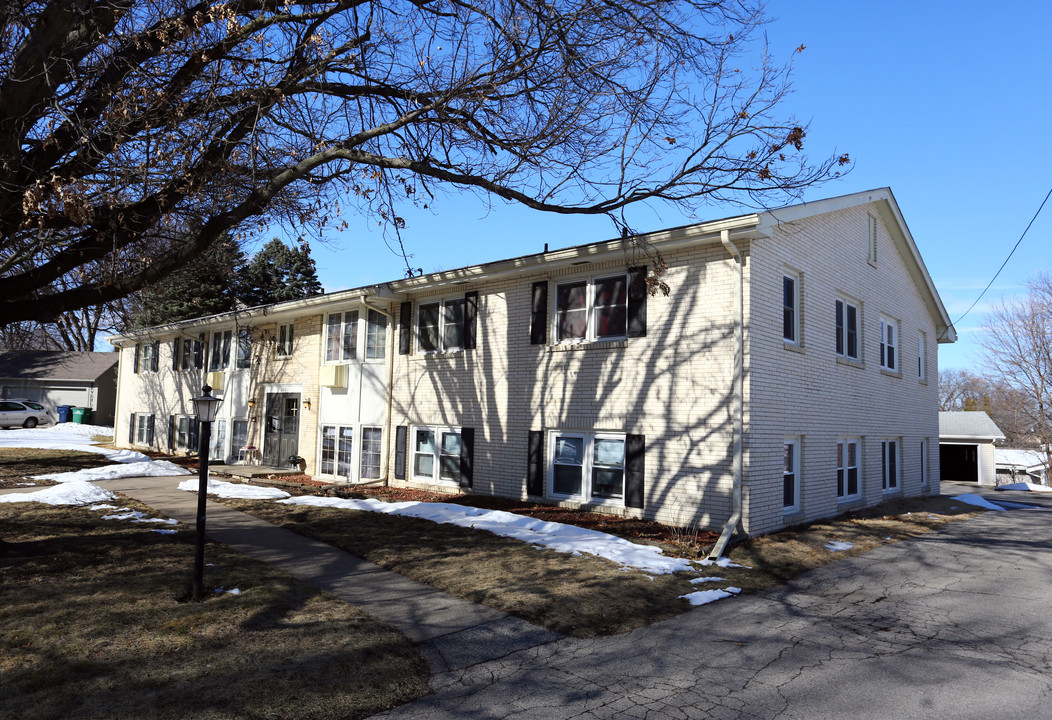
1014 247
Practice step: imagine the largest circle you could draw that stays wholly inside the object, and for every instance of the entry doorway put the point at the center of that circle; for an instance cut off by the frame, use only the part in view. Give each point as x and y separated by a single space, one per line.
281 435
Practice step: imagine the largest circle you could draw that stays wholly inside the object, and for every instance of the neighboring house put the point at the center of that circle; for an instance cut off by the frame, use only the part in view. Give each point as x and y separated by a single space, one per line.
1018 465
53 378
793 365
966 446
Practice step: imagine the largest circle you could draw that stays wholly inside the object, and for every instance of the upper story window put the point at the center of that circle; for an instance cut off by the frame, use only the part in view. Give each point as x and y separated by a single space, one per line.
922 356
244 349
889 343
592 309
375 335
341 336
220 356
189 354
284 346
440 325
791 308
847 329
146 357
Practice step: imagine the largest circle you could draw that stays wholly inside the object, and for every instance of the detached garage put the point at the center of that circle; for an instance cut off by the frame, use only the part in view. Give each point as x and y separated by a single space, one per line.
966 446
79 379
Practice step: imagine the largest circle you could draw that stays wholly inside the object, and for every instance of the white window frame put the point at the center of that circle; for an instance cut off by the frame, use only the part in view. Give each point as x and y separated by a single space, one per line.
341 454
344 326
890 357
844 468
792 308
142 429
146 357
791 472
588 467
217 442
243 349
922 356
375 335
372 445
890 465
285 337
218 361
181 427
437 446
441 346
842 332
591 309
924 462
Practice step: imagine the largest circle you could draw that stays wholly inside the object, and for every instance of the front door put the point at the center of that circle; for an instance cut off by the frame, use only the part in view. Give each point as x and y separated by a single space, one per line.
282 433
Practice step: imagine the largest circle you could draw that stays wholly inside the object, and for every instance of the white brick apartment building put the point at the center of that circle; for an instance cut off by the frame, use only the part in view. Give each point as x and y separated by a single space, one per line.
789 374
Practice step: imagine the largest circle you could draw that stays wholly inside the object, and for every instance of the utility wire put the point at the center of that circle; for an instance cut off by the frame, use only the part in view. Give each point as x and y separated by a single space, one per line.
1014 247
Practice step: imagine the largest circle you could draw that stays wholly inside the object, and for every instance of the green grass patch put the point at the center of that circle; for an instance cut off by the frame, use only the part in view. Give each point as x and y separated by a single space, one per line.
92 626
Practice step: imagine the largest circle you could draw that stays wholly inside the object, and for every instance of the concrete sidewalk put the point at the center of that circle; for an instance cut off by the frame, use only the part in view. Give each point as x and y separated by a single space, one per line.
452 633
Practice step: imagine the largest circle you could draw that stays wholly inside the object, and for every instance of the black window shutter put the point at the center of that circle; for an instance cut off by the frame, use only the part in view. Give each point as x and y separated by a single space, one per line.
637 302
156 355
405 327
131 430
171 433
467 457
471 310
635 452
138 351
535 464
199 351
194 440
149 430
175 354
539 313
401 437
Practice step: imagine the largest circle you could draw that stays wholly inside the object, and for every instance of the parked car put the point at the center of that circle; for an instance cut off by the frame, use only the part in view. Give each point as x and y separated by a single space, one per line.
22 413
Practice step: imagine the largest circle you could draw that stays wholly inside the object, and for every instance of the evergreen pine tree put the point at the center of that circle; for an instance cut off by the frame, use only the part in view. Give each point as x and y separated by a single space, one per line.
278 273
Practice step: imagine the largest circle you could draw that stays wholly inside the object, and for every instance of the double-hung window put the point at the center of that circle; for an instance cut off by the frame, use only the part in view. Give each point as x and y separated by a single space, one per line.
436 454
889 463
286 335
375 335
337 448
791 308
341 336
218 441
889 343
593 309
790 474
372 448
244 349
181 425
588 466
440 325
141 429
847 457
220 357
846 329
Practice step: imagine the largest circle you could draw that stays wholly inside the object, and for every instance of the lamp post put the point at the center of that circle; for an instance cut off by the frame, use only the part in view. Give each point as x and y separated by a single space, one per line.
206 408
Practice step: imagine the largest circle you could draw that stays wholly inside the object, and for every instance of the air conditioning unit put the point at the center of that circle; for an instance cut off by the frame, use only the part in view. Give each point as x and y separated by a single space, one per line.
334 376
215 380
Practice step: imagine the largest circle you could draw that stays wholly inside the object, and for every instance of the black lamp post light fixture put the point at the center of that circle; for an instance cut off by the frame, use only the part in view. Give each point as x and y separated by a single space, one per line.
206 407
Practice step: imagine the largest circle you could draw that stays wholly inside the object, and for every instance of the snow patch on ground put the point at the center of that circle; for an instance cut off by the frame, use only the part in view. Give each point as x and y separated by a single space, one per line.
978 501
555 536
838 546
235 490
704 597
1032 487
68 436
723 562
699 580
156 468
74 493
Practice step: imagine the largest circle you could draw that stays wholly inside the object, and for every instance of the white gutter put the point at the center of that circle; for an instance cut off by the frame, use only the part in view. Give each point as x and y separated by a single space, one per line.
737 391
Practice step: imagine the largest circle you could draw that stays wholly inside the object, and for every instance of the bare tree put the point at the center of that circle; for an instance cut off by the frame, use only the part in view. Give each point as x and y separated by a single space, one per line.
1018 342
121 120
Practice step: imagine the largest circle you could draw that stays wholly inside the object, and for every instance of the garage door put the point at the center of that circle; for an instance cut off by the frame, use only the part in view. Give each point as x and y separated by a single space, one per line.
959 462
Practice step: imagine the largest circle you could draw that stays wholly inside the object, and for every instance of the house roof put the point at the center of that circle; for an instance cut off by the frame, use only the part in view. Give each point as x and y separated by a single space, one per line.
55 365
968 425
751 225
1015 457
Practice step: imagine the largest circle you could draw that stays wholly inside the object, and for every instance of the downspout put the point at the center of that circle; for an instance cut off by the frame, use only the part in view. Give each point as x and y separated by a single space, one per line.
737 390
117 395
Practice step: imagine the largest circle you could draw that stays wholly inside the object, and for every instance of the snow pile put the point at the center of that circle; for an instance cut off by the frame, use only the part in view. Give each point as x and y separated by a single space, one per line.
704 597
68 436
235 490
552 535
156 468
723 562
699 580
73 493
139 516
978 501
1032 487
838 546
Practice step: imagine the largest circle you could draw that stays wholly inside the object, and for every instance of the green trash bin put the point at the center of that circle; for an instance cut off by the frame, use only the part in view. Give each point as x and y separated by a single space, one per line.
81 415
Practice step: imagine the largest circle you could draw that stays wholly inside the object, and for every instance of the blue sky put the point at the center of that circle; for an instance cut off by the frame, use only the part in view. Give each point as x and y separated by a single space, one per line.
947 103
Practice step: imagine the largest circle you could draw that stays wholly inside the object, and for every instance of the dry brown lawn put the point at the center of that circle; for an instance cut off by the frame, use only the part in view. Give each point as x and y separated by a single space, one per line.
18 465
92 626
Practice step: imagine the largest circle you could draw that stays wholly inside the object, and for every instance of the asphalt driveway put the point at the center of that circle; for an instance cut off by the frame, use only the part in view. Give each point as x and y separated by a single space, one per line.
956 624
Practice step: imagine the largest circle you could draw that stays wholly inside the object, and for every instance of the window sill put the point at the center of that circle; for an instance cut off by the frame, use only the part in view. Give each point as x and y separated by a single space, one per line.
792 347
591 345
891 373
891 491
850 362
850 503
